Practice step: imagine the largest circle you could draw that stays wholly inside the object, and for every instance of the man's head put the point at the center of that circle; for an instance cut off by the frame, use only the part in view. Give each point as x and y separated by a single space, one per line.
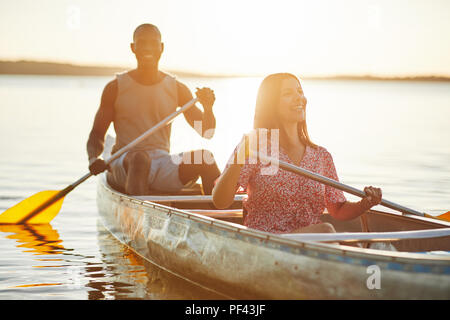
147 45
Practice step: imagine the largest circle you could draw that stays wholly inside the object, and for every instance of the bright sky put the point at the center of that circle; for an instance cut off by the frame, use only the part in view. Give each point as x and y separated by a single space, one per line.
320 37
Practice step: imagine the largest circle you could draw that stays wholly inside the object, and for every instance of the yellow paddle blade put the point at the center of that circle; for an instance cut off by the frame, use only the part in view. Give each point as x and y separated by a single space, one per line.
444 216
21 210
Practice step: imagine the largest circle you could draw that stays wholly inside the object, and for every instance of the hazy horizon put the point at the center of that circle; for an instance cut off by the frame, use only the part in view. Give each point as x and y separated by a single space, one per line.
101 70
320 38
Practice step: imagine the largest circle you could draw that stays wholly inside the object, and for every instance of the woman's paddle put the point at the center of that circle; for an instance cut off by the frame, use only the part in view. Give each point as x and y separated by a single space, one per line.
43 206
335 184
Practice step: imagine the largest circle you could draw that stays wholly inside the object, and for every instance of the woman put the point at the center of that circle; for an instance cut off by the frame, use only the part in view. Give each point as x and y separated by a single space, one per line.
284 202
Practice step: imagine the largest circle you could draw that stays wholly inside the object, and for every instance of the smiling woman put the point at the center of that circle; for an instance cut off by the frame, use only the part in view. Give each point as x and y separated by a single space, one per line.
278 201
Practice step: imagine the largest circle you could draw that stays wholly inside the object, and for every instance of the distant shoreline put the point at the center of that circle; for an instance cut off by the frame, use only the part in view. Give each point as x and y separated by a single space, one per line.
63 69
24 67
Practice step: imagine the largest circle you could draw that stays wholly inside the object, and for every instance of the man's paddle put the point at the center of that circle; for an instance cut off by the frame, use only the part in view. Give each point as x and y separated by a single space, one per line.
335 184
43 206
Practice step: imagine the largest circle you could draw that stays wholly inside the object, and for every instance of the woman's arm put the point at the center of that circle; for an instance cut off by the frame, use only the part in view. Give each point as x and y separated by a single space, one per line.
227 185
225 189
350 210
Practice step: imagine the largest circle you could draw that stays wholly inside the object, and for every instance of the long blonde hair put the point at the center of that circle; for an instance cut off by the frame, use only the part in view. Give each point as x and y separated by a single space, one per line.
267 101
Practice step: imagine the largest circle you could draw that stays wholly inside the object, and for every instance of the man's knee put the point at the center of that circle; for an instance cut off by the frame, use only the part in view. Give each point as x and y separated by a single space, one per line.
137 159
208 157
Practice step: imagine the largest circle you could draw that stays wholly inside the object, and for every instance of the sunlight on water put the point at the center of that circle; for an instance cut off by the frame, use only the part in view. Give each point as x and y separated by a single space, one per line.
233 109
394 135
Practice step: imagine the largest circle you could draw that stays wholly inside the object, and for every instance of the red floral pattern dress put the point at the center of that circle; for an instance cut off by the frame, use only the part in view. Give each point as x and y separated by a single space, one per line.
283 201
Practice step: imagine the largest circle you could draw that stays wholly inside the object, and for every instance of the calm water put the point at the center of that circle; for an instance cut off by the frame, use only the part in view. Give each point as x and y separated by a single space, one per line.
395 135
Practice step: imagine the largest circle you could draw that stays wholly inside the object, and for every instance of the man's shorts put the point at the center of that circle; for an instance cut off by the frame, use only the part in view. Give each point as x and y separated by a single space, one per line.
163 175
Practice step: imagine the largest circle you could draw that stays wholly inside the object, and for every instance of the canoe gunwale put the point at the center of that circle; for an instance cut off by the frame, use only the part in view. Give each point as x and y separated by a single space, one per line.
433 222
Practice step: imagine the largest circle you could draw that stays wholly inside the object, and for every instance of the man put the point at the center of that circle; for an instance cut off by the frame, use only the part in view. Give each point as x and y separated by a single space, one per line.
136 101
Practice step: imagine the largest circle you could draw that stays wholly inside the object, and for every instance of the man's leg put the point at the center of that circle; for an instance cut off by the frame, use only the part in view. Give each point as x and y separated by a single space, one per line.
199 163
137 166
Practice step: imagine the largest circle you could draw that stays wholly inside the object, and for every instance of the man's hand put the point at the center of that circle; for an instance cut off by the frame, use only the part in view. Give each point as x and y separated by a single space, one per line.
97 165
206 97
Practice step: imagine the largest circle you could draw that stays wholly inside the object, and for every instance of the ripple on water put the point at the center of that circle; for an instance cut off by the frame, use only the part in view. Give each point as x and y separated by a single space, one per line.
37 264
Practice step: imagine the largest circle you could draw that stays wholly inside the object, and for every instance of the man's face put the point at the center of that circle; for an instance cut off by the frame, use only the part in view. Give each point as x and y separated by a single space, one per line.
147 47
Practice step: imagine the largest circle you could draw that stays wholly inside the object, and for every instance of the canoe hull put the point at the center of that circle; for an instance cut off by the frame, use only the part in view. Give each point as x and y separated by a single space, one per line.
242 263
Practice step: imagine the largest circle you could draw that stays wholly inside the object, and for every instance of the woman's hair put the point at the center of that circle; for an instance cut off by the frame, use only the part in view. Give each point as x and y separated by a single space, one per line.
266 115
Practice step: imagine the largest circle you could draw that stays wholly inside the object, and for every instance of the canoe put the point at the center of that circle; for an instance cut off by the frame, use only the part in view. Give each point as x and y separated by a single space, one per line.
381 255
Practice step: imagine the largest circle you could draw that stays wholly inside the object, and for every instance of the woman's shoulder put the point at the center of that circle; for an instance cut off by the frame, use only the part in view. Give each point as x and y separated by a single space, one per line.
319 149
321 152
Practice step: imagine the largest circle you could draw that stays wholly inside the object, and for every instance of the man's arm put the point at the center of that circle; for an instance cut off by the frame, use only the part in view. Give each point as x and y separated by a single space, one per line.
103 119
194 114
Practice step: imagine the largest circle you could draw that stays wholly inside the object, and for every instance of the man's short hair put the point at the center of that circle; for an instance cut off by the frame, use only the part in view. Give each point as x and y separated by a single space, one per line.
146 27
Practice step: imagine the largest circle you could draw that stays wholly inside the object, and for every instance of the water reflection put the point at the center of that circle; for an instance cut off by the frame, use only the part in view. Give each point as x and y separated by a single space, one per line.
148 281
58 272
39 239
51 271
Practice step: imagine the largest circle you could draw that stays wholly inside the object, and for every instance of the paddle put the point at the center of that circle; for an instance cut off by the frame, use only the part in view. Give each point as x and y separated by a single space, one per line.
43 206
335 184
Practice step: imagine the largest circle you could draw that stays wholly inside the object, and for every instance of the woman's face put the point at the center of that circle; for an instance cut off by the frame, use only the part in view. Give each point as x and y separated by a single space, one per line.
292 103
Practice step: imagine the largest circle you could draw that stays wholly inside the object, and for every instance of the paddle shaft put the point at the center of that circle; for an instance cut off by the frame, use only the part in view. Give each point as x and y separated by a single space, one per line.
116 155
335 184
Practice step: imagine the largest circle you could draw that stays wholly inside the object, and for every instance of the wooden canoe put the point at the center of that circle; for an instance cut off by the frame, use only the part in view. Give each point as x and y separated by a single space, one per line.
186 236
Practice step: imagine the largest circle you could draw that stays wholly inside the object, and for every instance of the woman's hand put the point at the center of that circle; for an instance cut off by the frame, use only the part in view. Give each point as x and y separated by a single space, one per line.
245 148
351 210
372 198
242 151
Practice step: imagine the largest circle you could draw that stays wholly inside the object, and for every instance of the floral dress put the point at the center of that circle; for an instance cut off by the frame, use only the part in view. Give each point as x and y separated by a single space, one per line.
282 202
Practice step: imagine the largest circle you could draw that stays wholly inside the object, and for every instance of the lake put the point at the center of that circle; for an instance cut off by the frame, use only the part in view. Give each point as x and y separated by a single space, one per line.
390 134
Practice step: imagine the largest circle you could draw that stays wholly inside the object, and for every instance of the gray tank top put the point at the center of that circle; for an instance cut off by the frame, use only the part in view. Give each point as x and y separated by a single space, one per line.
139 107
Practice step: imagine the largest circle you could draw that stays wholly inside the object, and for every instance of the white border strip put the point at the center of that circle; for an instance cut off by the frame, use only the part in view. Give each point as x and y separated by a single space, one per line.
372 236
